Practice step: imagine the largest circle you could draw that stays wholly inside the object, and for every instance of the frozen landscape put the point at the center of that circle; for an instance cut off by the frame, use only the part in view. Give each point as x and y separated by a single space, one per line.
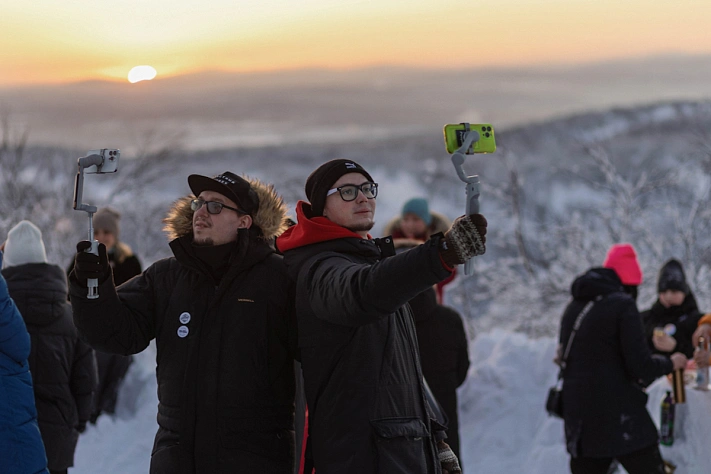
557 193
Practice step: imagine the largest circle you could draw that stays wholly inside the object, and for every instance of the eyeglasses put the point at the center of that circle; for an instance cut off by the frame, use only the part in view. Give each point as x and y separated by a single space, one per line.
213 207
349 192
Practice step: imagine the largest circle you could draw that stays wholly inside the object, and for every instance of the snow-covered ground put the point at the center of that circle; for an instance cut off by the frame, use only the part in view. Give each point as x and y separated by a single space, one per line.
504 427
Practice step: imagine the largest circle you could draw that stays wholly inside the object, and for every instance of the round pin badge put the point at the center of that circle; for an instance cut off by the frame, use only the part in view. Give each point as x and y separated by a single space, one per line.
185 318
183 331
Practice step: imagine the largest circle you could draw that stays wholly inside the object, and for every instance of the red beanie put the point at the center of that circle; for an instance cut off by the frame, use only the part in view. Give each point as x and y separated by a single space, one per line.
623 259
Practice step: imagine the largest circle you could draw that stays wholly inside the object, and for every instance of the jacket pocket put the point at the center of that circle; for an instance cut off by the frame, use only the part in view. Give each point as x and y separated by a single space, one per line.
275 444
400 445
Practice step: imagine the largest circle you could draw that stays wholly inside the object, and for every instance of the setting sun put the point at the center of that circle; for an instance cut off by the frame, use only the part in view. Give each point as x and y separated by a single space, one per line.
141 73
47 43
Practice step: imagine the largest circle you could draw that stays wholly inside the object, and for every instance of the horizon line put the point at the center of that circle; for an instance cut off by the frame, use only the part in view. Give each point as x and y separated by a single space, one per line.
560 65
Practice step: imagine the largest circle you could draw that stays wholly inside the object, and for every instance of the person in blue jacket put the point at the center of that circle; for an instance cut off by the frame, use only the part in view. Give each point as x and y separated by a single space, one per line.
21 447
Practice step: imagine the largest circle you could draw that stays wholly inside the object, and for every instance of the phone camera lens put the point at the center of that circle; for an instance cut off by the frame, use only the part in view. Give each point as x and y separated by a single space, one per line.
487 134
488 129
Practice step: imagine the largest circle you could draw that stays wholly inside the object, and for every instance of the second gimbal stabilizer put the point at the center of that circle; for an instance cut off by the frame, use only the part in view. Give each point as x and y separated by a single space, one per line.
98 162
472 182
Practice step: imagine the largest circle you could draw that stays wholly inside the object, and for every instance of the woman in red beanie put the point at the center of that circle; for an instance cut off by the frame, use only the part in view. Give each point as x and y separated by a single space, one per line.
604 406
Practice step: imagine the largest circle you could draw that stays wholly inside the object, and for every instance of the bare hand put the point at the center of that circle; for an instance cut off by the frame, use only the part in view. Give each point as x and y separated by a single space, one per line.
701 357
664 342
558 355
703 330
679 360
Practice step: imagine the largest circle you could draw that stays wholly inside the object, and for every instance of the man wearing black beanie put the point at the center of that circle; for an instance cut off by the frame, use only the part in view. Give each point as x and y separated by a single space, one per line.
672 319
362 375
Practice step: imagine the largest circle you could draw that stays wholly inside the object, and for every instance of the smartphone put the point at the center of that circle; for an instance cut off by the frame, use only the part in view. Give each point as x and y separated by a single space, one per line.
109 161
454 136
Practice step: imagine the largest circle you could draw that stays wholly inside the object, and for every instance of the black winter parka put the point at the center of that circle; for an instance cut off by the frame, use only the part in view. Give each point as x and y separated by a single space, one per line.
224 354
113 367
444 355
685 319
604 405
63 367
362 375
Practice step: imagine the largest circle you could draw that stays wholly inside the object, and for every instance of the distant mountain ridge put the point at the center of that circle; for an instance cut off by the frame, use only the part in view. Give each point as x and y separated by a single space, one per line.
223 107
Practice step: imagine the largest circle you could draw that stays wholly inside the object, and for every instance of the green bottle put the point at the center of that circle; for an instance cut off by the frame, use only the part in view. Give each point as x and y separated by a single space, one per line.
666 429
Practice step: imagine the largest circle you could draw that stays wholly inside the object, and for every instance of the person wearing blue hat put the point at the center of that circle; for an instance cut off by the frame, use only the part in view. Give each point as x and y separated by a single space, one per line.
415 224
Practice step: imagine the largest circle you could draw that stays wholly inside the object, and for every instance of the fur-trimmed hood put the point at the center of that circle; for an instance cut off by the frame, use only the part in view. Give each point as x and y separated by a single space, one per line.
271 217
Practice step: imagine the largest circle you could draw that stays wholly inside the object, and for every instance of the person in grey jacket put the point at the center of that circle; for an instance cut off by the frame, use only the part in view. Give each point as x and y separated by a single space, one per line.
362 375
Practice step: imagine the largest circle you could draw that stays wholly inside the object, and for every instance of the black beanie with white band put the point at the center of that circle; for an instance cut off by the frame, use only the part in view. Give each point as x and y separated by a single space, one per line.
320 181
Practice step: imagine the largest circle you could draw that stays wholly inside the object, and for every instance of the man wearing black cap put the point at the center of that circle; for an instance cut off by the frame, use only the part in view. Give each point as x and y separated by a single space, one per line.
222 316
672 319
362 376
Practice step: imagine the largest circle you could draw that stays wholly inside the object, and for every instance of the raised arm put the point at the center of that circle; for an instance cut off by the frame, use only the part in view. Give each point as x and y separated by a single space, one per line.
122 324
354 294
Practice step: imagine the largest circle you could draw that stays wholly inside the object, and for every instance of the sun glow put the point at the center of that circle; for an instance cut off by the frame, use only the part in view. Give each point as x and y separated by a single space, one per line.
47 43
141 73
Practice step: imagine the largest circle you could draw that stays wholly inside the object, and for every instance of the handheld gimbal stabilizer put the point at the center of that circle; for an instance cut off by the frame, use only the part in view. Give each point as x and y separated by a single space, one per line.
98 162
472 182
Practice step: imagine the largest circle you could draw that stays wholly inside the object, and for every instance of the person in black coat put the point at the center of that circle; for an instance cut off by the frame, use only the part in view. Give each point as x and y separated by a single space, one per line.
221 312
21 447
124 266
62 366
674 315
362 376
604 405
444 355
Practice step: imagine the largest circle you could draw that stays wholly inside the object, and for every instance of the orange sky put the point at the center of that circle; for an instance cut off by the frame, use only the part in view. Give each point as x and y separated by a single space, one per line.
45 41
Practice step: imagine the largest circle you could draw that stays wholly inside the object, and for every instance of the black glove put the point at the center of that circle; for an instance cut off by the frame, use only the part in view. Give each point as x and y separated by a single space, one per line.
447 458
464 240
87 265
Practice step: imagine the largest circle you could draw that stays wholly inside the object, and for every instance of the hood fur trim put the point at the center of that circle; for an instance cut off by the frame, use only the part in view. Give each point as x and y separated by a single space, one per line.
271 217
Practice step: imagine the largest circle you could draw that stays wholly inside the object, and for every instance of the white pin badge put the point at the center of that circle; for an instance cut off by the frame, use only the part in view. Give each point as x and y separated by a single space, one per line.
183 331
185 318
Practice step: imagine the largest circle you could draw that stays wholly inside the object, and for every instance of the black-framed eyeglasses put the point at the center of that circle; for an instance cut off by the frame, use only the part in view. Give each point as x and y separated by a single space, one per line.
213 207
349 192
